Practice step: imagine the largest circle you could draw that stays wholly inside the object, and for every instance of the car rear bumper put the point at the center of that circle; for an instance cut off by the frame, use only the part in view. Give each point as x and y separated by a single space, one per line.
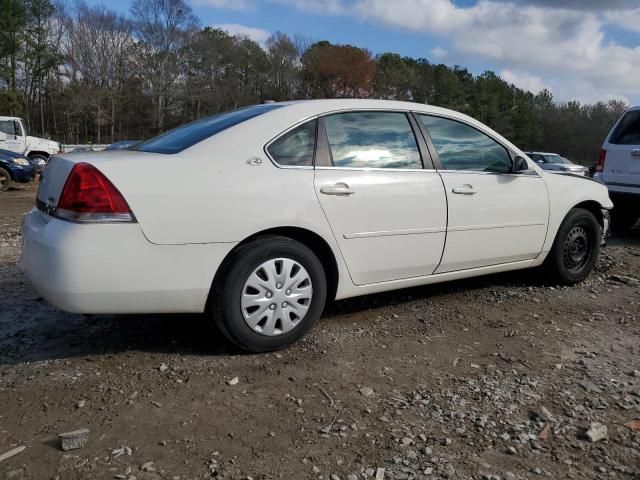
621 190
113 268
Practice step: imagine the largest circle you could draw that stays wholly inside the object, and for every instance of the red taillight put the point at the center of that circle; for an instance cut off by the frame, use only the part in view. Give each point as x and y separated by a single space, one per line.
89 196
601 158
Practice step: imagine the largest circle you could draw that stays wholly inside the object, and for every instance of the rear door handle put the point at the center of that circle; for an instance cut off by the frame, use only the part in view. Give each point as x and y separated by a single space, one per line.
464 190
635 152
339 189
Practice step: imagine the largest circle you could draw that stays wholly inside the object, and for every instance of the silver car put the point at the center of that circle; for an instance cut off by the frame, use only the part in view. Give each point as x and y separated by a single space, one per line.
554 162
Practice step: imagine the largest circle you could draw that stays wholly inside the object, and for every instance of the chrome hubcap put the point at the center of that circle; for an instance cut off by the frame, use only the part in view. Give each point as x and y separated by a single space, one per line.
577 249
276 296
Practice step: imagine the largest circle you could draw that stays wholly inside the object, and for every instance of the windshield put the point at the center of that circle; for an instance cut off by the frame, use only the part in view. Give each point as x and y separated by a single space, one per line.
555 159
185 136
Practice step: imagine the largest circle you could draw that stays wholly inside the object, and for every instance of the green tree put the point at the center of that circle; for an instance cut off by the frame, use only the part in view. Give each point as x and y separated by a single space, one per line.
12 19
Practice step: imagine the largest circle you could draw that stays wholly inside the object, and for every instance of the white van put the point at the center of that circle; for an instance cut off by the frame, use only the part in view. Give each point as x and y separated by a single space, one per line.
618 168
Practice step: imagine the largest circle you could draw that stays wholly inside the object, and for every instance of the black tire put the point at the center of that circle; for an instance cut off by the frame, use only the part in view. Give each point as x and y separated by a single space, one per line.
5 180
40 156
575 249
37 156
225 305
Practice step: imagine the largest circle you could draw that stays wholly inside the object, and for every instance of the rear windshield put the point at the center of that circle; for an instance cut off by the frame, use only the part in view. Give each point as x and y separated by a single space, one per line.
185 136
628 130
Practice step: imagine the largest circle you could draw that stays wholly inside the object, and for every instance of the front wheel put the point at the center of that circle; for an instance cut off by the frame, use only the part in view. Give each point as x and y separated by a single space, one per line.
575 250
271 293
5 180
39 160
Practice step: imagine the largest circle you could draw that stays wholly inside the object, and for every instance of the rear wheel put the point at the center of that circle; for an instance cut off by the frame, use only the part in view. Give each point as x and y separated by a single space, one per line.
272 291
5 180
575 250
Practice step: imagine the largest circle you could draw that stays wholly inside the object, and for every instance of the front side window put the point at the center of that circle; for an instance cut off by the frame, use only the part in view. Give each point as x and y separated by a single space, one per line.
295 148
7 126
186 136
628 130
372 140
462 147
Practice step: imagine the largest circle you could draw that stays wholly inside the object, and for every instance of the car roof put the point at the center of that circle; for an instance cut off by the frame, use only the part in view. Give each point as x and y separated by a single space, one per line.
542 153
326 105
301 110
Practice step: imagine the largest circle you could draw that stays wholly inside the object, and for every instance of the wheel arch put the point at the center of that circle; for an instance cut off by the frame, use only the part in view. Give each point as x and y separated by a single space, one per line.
591 206
8 169
318 245
38 152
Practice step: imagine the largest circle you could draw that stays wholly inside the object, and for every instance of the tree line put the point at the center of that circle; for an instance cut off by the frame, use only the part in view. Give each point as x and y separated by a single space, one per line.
87 74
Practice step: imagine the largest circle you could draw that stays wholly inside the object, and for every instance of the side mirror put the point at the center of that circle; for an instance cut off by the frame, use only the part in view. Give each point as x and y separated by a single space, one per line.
519 165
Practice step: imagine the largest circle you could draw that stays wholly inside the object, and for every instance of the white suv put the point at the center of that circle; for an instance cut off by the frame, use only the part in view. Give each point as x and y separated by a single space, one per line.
619 168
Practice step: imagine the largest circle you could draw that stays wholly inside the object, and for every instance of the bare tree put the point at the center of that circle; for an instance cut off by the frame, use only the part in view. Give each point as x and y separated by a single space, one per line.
164 28
284 72
99 46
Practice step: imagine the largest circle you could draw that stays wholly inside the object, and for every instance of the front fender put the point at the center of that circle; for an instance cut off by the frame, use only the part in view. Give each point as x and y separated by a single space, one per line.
566 192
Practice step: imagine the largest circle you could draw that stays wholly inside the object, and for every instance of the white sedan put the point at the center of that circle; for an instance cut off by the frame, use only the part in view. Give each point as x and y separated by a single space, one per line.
259 216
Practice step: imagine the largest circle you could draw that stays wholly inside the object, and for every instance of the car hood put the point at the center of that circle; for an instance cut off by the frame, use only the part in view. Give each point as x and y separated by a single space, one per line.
36 143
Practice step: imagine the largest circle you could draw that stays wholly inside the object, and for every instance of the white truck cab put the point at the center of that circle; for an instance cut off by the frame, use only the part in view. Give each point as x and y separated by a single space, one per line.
13 136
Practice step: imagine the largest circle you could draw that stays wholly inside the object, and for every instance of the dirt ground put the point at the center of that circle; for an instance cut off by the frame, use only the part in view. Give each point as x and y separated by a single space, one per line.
491 378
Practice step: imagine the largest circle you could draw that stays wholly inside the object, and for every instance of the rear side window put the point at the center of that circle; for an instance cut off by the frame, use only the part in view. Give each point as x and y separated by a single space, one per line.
462 147
628 130
185 136
295 148
372 140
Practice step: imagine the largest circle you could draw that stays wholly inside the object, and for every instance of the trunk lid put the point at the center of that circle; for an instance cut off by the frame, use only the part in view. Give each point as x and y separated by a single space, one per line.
58 168
622 165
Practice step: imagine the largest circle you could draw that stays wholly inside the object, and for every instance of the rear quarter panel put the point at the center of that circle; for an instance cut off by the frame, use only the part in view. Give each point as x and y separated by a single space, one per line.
211 192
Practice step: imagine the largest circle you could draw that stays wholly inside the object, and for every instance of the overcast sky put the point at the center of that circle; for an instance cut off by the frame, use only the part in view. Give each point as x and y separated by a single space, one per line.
579 49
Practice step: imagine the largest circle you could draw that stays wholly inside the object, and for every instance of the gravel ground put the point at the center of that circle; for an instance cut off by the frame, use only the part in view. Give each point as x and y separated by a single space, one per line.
503 377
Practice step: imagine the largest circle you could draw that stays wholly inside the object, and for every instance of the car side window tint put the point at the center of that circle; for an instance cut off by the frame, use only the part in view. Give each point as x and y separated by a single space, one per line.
296 147
628 130
185 136
372 140
6 126
462 147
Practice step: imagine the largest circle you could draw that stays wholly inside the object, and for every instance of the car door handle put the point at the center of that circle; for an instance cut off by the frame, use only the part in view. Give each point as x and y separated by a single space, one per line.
635 152
464 190
339 189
